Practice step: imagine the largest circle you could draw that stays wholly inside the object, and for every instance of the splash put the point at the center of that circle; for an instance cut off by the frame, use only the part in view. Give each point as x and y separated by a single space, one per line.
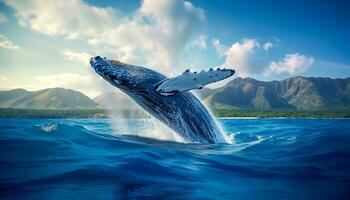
151 127
48 128
146 127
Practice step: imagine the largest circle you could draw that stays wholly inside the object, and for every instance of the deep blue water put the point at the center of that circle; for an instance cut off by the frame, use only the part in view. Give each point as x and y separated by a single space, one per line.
87 159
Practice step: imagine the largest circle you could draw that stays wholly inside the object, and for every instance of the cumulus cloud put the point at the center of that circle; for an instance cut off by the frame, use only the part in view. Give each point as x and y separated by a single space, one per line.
6 43
82 57
67 18
267 46
291 64
248 58
157 31
3 18
240 57
160 29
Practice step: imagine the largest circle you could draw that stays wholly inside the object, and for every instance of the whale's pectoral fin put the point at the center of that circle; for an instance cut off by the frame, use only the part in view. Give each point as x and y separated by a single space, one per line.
191 80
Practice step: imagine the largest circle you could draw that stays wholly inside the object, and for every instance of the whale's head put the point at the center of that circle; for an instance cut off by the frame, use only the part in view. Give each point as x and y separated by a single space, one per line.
124 76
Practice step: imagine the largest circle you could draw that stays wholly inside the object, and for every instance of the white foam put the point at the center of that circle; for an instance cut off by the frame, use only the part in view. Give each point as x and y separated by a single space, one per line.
48 127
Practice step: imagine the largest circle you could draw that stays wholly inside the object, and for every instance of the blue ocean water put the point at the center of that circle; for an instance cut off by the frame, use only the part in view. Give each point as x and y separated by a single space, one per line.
87 159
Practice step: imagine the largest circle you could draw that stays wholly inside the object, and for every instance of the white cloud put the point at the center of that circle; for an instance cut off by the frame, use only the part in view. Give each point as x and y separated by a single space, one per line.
291 64
3 18
67 18
240 57
247 59
6 43
156 33
267 46
160 30
82 57
220 48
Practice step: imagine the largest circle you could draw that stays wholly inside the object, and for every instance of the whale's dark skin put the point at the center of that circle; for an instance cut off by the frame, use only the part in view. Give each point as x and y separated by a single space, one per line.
182 112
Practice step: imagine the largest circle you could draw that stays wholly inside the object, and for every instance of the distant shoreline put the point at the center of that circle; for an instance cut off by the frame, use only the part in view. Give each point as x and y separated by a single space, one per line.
282 113
281 118
139 114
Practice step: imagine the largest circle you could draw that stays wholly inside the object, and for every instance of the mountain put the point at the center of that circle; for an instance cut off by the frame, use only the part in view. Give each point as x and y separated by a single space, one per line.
53 98
303 93
7 96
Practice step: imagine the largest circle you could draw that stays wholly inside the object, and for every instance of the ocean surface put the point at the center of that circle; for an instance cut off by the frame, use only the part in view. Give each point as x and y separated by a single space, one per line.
110 159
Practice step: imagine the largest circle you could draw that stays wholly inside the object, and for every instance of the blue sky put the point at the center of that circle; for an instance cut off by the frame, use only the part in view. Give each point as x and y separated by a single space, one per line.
48 43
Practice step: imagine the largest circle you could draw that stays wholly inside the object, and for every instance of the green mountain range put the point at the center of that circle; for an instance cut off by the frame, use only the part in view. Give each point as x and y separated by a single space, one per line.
297 93
302 93
53 98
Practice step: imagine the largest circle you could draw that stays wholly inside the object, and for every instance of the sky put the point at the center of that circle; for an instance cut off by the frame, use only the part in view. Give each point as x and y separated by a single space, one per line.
48 43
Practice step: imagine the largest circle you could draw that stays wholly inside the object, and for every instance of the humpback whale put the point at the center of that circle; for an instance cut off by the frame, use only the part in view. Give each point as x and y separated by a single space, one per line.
167 99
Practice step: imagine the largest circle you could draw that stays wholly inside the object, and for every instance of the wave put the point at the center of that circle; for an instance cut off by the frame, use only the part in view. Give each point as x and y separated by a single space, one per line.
275 158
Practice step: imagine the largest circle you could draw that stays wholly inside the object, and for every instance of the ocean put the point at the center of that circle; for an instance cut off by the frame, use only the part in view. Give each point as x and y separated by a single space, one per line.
135 159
